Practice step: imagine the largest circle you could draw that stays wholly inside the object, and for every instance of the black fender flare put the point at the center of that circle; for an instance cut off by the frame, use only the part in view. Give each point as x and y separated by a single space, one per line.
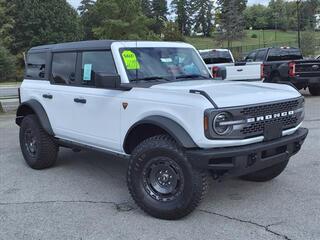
38 110
178 133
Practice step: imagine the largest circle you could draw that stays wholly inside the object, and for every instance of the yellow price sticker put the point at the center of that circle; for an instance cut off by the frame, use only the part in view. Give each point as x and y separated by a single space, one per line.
130 60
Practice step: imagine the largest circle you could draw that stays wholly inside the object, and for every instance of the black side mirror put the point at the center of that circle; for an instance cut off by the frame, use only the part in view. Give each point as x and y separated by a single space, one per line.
222 73
106 80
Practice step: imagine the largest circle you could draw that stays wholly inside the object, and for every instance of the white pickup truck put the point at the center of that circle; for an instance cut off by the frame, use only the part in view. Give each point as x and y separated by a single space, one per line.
218 59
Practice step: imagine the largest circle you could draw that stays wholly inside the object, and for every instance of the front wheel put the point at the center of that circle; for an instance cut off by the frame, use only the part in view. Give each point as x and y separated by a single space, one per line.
162 181
267 174
314 90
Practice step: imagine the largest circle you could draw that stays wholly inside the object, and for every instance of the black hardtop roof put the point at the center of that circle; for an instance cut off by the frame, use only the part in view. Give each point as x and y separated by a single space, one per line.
74 46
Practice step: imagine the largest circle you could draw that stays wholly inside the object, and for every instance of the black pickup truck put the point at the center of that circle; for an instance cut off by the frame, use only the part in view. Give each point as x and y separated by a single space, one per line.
287 65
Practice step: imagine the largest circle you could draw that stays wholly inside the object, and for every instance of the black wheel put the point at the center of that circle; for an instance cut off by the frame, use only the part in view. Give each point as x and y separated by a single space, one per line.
267 174
314 90
38 148
162 181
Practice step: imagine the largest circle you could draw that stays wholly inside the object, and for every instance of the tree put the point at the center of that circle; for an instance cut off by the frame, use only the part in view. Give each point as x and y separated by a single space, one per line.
231 19
256 16
39 22
146 6
120 19
183 10
171 32
7 65
6 24
204 16
159 10
85 6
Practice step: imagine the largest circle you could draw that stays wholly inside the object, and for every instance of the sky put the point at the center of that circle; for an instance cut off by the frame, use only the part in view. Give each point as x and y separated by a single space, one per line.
75 3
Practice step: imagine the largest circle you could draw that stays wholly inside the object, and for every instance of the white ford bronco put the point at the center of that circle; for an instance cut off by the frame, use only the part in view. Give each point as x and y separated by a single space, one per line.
156 104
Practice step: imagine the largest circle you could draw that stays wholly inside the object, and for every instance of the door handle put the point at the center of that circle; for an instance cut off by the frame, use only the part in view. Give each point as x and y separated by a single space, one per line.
47 96
240 70
80 100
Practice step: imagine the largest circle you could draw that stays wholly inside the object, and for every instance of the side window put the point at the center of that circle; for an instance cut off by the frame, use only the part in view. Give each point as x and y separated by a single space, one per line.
260 57
96 62
36 66
251 57
64 68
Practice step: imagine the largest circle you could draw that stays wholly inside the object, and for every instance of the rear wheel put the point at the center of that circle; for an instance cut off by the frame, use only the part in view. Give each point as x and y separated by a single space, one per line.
314 90
38 148
267 174
162 181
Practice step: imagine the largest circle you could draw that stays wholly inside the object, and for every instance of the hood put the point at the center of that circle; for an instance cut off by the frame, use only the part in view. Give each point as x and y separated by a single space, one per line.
233 94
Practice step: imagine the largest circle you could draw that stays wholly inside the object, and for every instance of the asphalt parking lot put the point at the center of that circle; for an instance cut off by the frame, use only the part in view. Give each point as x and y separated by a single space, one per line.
85 197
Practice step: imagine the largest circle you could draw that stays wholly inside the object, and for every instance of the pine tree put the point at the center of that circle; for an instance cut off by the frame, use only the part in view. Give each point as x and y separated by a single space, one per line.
183 10
204 16
146 6
231 19
85 5
159 12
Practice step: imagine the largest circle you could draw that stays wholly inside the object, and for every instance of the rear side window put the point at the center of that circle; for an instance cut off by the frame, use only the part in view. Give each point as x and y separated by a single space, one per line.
260 57
285 54
64 68
36 66
96 62
216 57
251 57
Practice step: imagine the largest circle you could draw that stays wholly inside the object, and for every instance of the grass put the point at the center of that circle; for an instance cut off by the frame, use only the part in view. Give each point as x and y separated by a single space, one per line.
9 83
267 37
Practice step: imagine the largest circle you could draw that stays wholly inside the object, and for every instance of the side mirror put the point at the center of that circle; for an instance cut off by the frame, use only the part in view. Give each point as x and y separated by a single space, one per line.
106 80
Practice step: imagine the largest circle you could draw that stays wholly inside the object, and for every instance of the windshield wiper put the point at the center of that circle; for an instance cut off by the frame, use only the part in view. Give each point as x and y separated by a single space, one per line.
150 79
192 76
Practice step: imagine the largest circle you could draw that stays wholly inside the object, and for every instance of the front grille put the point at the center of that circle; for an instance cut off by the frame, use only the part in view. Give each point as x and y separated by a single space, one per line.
287 122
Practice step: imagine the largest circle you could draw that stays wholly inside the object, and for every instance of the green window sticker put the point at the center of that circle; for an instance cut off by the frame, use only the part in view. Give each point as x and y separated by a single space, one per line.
87 72
130 60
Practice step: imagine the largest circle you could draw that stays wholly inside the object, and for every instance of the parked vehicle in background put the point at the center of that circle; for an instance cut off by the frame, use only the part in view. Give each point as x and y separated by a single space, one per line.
217 59
287 65
155 104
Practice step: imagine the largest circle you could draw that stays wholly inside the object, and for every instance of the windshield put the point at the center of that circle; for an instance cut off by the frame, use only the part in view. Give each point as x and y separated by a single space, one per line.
216 57
168 64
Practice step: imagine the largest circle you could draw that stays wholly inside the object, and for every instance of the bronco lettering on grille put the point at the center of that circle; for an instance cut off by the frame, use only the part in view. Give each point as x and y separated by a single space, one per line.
270 116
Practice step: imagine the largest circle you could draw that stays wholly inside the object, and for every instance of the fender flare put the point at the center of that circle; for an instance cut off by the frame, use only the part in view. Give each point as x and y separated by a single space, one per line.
38 110
179 134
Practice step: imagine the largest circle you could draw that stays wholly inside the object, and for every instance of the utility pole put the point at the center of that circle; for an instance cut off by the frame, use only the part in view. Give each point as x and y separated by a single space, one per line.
299 24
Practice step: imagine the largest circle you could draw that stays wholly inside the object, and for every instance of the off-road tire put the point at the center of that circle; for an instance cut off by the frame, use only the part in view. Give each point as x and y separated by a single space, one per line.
192 191
314 90
267 174
46 151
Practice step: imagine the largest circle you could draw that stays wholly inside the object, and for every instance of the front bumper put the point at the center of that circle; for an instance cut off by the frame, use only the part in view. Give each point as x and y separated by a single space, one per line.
238 161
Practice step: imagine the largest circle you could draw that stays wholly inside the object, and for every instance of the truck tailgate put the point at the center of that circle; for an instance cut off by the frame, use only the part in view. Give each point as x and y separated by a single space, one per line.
249 71
308 68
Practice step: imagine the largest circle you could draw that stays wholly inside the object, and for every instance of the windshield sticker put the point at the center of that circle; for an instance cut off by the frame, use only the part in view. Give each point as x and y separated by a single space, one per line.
130 60
87 72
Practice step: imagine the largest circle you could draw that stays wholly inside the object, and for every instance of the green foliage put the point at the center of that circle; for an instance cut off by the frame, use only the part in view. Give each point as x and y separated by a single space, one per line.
159 12
256 16
39 22
172 32
308 43
119 19
231 20
184 11
7 65
254 35
203 16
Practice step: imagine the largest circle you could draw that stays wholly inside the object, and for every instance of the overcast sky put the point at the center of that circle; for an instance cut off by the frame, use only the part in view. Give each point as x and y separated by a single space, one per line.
76 3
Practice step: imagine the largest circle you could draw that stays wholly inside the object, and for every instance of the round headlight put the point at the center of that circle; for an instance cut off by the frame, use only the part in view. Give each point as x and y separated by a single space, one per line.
220 125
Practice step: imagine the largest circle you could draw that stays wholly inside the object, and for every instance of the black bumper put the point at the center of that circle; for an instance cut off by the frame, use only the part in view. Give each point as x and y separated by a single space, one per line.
238 161
305 81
